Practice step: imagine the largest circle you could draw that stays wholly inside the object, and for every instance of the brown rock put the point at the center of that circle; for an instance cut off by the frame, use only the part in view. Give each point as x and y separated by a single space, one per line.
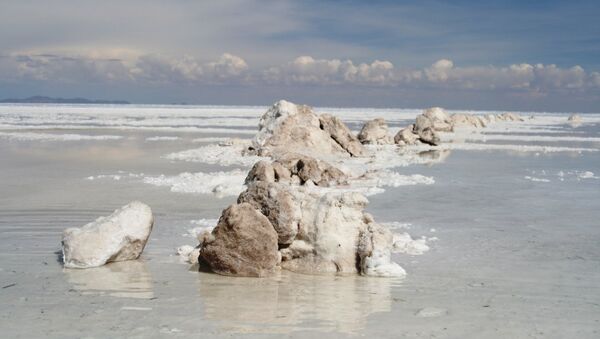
375 132
278 205
261 171
244 244
341 134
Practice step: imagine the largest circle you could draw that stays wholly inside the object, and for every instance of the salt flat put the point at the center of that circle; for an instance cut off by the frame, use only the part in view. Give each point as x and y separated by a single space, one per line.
509 256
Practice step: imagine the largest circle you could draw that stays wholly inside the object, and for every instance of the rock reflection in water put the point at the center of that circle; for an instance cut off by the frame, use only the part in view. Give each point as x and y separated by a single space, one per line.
435 156
293 301
124 279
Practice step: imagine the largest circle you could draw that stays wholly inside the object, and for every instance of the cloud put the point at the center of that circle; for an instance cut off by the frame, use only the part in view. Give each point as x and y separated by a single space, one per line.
307 70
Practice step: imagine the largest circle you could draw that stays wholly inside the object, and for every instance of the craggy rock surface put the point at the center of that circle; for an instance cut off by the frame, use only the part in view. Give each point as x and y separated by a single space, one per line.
406 136
341 134
244 244
118 237
278 205
375 132
297 169
467 120
287 127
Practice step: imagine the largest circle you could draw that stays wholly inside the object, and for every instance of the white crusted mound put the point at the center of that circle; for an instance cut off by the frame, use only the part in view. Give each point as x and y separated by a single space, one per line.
118 237
287 127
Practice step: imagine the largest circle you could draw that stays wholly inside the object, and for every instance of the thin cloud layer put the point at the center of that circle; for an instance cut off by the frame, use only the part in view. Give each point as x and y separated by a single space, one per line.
188 71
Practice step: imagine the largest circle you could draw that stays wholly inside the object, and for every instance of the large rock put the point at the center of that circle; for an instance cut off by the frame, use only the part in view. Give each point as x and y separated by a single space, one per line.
375 132
244 243
509 117
341 134
118 237
287 127
275 202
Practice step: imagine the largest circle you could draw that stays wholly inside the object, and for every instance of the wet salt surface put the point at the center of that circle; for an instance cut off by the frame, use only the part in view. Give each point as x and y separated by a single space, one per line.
514 257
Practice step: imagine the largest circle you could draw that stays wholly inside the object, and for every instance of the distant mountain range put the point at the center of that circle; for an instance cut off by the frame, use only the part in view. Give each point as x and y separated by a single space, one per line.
48 100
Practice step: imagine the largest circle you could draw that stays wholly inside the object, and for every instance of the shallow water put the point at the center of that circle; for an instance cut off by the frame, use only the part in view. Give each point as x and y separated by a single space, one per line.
514 257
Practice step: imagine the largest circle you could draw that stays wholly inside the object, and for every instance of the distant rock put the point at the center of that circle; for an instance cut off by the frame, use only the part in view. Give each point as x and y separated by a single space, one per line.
509 117
118 237
287 127
375 132
48 100
440 120
574 118
467 120
244 243
406 136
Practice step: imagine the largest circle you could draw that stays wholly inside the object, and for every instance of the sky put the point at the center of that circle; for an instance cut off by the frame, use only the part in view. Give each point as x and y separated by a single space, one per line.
463 54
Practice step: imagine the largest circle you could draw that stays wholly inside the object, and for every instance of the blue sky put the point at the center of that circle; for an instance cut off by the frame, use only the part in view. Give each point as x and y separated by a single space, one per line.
514 55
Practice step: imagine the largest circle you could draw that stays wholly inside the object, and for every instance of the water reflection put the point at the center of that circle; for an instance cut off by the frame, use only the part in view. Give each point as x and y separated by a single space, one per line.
435 156
294 301
125 279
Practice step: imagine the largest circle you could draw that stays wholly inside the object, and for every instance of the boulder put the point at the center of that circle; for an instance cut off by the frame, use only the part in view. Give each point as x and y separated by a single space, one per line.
275 202
118 237
341 134
429 136
244 243
375 132
406 136
287 127
467 120
440 120
574 118
261 171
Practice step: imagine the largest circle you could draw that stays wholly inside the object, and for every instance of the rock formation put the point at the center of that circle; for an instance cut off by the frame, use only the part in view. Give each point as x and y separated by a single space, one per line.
287 127
406 136
467 120
375 132
574 118
243 243
118 237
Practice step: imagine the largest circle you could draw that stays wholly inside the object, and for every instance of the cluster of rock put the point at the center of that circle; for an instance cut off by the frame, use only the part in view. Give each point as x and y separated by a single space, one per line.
426 127
287 127
276 224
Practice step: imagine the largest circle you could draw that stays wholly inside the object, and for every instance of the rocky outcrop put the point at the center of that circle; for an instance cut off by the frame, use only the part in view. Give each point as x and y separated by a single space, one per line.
118 237
297 169
374 250
287 127
341 134
467 120
244 243
375 132
440 120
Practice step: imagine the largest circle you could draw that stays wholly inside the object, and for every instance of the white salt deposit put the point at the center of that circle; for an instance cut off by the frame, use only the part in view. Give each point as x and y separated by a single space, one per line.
29 136
163 138
534 179
224 155
500 147
404 243
220 183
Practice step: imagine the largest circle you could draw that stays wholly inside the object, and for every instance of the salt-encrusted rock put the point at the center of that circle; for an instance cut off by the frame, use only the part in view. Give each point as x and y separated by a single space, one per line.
298 169
375 249
467 120
327 240
118 237
275 202
429 136
375 132
189 253
244 244
261 171
406 136
341 134
440 120
287 127
574 118
509 117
